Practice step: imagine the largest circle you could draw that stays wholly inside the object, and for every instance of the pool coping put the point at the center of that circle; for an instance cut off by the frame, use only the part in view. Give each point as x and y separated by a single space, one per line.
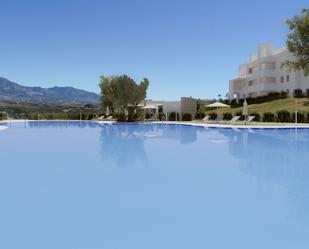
253 125
240 126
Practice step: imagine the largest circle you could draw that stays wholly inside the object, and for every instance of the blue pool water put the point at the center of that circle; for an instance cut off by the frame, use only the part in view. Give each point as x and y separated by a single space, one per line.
84 185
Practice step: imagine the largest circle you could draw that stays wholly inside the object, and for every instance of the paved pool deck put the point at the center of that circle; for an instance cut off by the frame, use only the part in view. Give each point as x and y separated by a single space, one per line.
240 125
236 125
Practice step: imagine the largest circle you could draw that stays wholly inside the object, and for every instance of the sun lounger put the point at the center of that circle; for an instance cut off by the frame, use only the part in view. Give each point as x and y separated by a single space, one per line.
153 118
250 118
109 118
234 119
206 118
219 118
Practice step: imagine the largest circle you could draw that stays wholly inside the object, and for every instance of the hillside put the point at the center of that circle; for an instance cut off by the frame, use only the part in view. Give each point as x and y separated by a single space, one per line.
13 92
273 106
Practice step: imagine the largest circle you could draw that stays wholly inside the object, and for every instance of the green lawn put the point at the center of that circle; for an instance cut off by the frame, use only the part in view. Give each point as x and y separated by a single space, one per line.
273 106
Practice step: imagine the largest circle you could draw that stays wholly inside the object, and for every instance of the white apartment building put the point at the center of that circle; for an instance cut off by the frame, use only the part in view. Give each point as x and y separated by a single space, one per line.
263 74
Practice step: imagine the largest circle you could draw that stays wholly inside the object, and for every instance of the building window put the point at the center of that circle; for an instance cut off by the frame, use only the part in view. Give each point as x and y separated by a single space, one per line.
282 79
288 78
250 83
250 70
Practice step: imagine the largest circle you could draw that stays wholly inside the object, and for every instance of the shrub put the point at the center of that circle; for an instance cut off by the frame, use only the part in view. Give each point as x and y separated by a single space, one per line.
298 93
161 116
187 117
213 115
242 118
307 93
226 101
284 116
269 117
227 116
234 103
132 117
260 99
306 118
283 94
274 95
257 116
121 117
199 115
172 116
148 115
300 117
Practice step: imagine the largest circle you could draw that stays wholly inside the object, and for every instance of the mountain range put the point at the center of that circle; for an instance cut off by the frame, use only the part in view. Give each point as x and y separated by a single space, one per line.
14 92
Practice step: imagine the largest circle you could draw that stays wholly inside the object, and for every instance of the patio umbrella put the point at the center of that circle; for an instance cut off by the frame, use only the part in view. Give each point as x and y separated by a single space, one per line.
217 105
107 111
150 107
245 109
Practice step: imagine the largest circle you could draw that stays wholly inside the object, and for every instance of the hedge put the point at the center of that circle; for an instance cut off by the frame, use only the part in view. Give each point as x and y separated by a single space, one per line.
187 117
227 116
298 93
260 99
257 116
172 116
199 115
213 115
121 117
269 117
284 117
300 117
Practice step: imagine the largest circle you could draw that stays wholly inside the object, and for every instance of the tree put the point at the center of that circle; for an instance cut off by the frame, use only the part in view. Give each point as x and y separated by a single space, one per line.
119 92
298 42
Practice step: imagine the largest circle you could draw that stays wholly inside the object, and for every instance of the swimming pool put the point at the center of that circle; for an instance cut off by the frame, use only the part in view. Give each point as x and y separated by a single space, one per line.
85 185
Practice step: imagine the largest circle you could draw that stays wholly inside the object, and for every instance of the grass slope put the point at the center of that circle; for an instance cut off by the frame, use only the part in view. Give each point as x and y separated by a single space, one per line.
273 106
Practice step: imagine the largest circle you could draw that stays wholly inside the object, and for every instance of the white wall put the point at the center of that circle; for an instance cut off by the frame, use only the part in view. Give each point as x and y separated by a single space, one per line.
262 78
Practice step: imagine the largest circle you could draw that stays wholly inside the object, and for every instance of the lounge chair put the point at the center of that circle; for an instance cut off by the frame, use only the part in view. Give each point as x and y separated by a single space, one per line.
250 118
219 118
109 118
234 119
206 118
153 118
101 118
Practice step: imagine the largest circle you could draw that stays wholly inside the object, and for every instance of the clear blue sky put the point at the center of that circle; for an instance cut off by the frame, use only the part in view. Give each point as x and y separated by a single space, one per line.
185 48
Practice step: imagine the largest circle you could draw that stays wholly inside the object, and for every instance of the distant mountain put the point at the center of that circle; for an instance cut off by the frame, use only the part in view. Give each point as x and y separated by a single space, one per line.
13 92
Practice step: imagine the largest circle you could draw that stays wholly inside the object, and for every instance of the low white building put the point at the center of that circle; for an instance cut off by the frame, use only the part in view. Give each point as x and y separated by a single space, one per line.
182 106
263 74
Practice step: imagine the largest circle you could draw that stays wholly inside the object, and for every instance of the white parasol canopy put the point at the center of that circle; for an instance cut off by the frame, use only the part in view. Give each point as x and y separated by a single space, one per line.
217 104
149 107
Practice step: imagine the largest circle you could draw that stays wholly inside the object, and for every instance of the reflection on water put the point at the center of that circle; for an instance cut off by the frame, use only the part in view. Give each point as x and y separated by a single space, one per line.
60 124
124 144
248 186
275 157
272 156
